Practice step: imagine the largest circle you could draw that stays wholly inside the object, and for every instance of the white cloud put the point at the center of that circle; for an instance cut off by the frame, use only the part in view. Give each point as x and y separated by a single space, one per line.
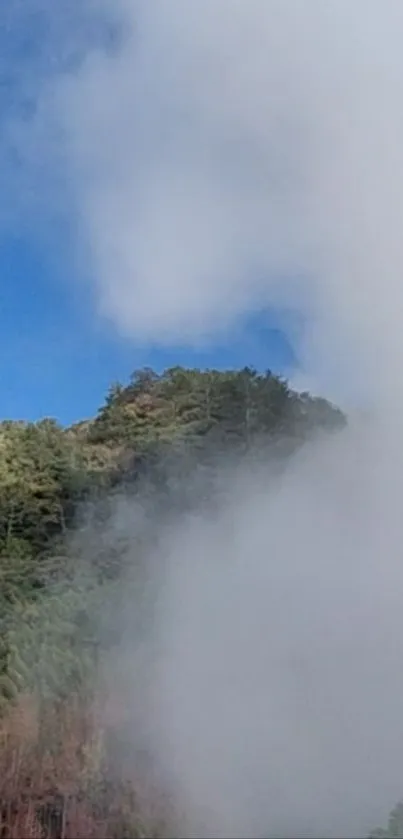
227 156
224 157
269 689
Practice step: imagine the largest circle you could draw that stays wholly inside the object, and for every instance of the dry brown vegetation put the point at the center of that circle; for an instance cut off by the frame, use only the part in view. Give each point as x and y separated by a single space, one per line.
56 782
60 764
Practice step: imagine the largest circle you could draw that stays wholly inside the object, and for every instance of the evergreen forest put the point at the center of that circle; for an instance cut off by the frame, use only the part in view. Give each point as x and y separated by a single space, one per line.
158 442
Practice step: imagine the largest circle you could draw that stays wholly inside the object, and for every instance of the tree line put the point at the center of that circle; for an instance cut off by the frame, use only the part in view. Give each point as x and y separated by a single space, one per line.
147 438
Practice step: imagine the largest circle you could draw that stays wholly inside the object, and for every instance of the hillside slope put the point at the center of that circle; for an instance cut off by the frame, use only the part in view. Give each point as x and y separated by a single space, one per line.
46 470
59 577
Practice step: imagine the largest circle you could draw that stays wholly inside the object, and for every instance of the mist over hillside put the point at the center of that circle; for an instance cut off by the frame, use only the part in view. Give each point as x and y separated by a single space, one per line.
90 516
198 638
202 631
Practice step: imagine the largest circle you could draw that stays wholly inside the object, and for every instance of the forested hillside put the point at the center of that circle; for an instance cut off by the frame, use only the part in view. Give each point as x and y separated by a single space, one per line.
144 430
160 439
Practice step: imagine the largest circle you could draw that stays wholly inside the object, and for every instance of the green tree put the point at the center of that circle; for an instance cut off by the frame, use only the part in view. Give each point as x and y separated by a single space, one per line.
394 829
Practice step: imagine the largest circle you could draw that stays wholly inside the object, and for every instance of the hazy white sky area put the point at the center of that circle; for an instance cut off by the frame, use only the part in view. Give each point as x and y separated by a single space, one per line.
221 158
225 156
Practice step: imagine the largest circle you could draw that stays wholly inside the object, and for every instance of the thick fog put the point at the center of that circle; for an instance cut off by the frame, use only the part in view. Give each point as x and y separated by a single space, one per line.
221 159
268 691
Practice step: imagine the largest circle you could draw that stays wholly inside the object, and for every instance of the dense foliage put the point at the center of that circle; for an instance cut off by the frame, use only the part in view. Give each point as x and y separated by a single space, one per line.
147 432
145 439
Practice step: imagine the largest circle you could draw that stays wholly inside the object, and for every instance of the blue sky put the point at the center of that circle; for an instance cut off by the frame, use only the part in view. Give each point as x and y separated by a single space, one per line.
56 358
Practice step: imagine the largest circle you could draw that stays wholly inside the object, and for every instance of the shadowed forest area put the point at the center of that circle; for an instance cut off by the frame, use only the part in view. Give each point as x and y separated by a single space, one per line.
160 441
